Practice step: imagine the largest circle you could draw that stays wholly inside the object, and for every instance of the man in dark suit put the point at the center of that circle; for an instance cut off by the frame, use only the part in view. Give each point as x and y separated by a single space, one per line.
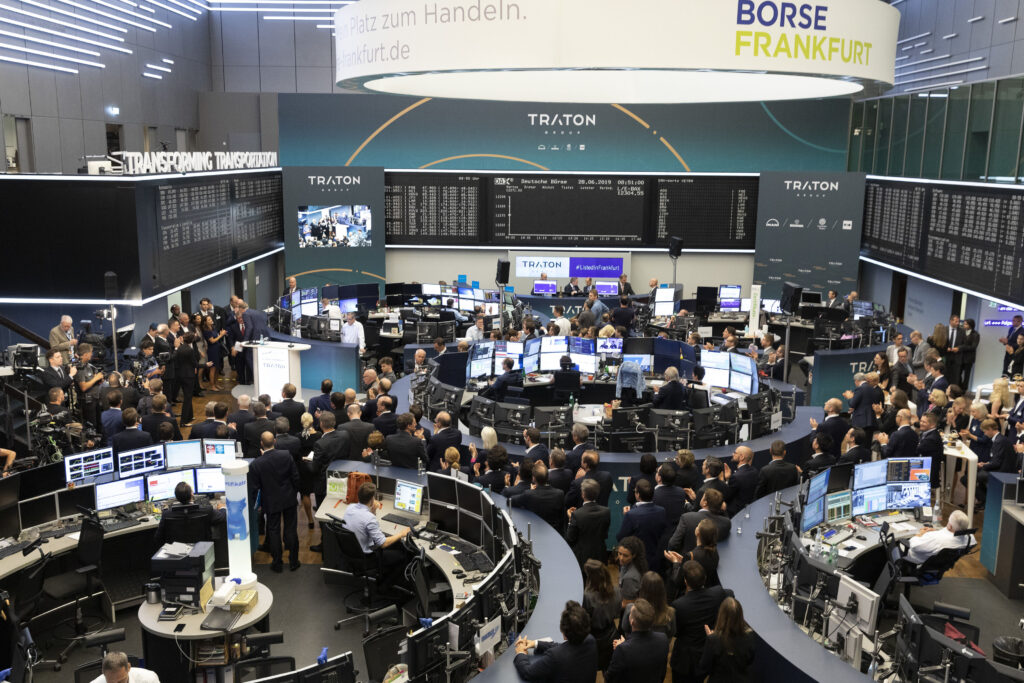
861 400
161 414
1009 342
386 421
712 506
242 416
286 441
291 408
536 450
588 526
184 502
445 435
131 437
935 379
208 429
494 477
856 448
111 417
558 475
1017 410
241 330
545 501
55 374
742 481
275 477
713 471
778 474
833 425
642 657
902 443
322 401
590 469
203 427
580 434
646 521
255 429
968 353
672 394
404 448
1004 458
902 371
573 661
357 430
669 496
524 479
953 353
930 446
821 458
696 609
497 390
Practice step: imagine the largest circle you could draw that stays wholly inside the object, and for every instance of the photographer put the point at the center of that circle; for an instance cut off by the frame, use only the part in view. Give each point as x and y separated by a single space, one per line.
90 383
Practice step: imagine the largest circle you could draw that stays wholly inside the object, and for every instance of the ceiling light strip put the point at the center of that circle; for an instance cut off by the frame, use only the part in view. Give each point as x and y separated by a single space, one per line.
51 8
167 61
285 18
129 13
974 20
951 73
912 38
922 61
950 36
29 62
147 9
88 41
199 5
171 9
61 22
926 52
158 68
154 76
114 17
1008 20
941 66
933 85
187 8
44 41
31 51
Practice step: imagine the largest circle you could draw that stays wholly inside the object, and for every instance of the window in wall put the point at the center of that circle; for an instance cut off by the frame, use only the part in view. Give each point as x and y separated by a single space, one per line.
979 129
152 139
898 139
10 144
856 136
881 160
1006 123
935 124
115 134
180 140
867 145
915 135
957 106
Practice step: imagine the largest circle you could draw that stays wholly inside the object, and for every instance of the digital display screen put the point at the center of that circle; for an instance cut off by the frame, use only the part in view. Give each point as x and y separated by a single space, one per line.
584 363
550 362
729 305
643 360
716 377
183 453
838 506
580 345
907 495
549 344
870 474
545 287
715 359
408 497
121 492
348 305
479 368
813 515
607 288
160 485
209 480
912 470
744 384
818 486
79 466
38 511
140 461
729 291
663 294
219 451
664 309
611 346
862 309
870 500
334 226
531 363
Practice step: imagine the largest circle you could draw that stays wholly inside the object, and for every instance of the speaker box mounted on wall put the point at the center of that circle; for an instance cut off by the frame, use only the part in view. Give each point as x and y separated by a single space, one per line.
675 246
504 268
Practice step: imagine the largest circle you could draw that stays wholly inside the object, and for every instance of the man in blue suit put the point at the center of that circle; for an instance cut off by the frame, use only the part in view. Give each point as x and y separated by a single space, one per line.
1017 411
833 425
646 521
499 387
902 443
929 445
671 395
111 417
1004 458
934 380
323 401
572 661
861 398
643 656
742 481
1010 341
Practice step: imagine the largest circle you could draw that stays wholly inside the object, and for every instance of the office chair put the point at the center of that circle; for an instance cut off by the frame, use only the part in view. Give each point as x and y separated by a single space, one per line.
931 571
425 332
187 524
262 667
566 384
353 563
371 334
444 316
80 583
380 651
85 673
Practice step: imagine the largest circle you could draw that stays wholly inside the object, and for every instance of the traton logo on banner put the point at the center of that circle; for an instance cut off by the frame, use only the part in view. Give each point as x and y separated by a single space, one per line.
533 266
568 120
334 179
595 267
812 185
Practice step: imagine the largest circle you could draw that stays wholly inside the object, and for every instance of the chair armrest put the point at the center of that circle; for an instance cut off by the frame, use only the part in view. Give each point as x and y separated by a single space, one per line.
908 579
87 569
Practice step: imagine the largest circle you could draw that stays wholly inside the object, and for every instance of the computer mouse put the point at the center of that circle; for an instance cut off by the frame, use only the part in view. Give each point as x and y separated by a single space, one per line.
861 538
433 545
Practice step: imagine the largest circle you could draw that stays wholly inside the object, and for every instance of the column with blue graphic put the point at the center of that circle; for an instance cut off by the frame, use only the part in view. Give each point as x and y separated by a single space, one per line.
236 494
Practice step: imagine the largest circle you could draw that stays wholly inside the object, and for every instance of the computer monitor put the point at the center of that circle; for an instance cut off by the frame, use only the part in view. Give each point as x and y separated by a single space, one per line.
610 346
219 451
585 363
348 305
867 601
607 288
841 477
469 498
908 495
716 377
550 344
771 305
838 506
810 297
870 474
729 305
469 528
10 523
183 453
81 466
744 384
645 361
297 301
209 480
550 362
445 516
9 491
408 497
121 492
664 309
442 489
813 515
68 500
40 480
285 303
479 367
38 511
309 302
908 469
729 291
818 486
160 485
862 309
868 501
337 668
140 461
545 287
745 305
662 294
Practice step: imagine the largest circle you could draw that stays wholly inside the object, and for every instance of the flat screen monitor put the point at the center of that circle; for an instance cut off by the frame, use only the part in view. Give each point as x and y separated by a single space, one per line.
469 528
818 486
532 346
545 287
741 383
607 288
479 368
9 491
662 294
68 500
348 305
140 461
664 309
644 360
813 298
209 480
286 303
531 363
610 346
745 305
10 524
408 497
441 489
309 302
862 309
549 344
870 500
838 506
38 511
908 495
160 485
716 377
729 305
771 305
183 453
729 291
550 362
813 515
638 345
219 451
714 359
868 475
908 469
580 345
431 290
40 480
296 300
445 516
121 492
585 363
469 498
81 466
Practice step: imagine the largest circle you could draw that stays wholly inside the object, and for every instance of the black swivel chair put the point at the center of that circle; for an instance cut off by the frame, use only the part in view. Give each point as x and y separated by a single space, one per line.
262 667
931 571
381 651
82 583
565 384
353 564
186 525
87 672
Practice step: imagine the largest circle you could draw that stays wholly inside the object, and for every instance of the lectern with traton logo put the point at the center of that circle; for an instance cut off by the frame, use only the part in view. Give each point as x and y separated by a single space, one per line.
275 364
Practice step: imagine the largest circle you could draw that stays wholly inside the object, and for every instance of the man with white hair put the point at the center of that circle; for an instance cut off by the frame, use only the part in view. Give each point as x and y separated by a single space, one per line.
929 541
62 338
671 395
118 669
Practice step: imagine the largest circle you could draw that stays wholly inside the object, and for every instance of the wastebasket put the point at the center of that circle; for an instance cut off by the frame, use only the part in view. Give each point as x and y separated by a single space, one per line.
1008 650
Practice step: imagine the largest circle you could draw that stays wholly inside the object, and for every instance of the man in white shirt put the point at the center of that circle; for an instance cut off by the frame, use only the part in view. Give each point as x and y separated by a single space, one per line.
352 332
564 327
476 333
331 310
117 669
930 541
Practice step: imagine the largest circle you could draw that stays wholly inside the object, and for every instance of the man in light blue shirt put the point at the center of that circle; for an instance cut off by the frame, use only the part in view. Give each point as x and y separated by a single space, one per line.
352 332
361 519
458 314
598 307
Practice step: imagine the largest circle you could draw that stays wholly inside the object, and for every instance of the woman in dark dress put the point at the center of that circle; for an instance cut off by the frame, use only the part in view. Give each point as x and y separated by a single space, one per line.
307 470
214 350
652 589
186 360
705 554
602 601
729 650
882 368
688 474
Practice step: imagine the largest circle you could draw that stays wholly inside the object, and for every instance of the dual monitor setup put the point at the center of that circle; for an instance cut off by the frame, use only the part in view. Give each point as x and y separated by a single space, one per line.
839 494
464 297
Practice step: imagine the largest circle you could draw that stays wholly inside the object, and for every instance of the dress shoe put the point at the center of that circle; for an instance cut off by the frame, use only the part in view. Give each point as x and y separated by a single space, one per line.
277 568
263 548
294 565
319 548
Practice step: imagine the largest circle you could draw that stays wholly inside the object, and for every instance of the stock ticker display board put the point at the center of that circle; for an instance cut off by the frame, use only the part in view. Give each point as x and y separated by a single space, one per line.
970 235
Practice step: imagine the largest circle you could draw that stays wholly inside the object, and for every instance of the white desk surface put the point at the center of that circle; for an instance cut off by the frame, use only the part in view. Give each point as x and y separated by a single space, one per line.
962 451
148 618
859 547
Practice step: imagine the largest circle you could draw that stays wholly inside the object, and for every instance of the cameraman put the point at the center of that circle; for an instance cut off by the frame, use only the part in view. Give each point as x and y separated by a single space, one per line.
149 366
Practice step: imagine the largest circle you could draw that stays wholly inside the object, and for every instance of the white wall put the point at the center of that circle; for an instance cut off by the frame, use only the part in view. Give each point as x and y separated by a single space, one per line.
990 352
875 284
926 305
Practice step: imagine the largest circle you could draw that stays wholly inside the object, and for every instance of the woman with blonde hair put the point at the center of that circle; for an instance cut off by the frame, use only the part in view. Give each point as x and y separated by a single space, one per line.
974 436
1000 399
307 472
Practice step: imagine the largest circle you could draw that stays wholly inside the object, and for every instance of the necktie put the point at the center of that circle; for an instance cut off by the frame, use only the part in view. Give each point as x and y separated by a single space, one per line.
60 371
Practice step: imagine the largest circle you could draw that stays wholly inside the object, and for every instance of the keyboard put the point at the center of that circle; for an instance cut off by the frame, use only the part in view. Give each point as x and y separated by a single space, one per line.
119 524
839 537
12 549
476 561
61 531
400 520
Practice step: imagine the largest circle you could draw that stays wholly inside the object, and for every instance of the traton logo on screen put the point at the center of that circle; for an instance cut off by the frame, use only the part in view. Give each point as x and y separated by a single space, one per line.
335 179
563 119
812 185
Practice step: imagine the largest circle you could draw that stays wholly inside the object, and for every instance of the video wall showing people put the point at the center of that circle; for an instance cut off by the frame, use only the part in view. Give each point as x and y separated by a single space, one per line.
346 225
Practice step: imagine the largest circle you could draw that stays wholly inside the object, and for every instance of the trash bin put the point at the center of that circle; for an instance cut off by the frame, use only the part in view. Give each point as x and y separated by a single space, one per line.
1008 650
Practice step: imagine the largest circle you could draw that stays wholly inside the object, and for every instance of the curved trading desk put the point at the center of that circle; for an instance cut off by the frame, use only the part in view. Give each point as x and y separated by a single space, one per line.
544 305
559 578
